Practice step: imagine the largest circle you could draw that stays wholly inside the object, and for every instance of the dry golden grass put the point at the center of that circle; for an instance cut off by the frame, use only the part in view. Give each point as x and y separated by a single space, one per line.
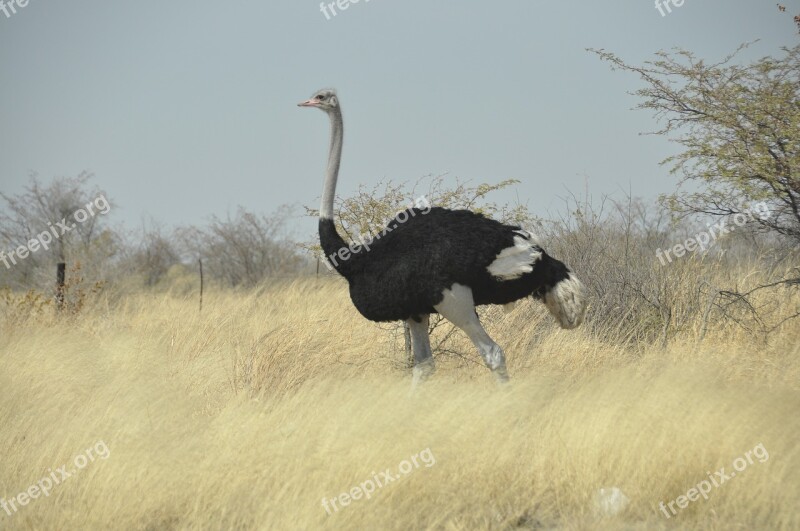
247 415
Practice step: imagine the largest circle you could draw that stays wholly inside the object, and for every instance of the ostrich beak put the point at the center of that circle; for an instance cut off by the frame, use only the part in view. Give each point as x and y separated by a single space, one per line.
308 103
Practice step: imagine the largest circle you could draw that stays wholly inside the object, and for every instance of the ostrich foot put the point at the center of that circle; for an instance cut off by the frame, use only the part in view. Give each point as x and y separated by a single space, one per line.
501 376
421 372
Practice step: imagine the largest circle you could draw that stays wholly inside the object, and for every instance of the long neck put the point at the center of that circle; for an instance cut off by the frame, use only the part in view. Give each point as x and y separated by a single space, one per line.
334 160
329 237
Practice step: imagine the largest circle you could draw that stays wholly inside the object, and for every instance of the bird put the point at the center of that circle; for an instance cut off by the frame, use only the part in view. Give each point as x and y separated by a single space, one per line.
438 260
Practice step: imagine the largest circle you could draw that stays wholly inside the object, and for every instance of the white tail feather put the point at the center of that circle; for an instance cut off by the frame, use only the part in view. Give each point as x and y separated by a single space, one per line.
513 262
567 302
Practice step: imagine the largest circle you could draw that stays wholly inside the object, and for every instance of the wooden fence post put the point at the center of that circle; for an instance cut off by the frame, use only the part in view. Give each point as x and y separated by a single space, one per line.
61 275
200 260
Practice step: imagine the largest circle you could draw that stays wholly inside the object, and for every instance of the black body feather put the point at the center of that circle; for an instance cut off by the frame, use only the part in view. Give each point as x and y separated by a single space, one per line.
406 270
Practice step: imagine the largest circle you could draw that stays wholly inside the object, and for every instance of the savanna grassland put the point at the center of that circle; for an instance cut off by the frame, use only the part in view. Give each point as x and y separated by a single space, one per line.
248 414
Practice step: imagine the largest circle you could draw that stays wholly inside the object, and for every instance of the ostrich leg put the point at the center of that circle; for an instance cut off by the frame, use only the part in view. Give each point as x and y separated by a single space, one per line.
423 357
458 307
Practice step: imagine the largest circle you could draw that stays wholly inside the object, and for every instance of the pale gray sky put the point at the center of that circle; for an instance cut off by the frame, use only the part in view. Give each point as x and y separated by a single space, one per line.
184 109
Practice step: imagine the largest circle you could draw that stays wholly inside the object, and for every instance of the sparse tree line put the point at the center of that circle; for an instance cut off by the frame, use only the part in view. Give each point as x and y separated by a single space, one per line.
242 249
612 243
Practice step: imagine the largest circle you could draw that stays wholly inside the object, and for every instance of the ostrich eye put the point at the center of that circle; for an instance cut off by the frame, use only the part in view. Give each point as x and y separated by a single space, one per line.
320 97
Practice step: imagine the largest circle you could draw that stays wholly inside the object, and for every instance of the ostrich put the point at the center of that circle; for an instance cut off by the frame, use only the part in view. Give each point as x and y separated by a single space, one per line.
442 261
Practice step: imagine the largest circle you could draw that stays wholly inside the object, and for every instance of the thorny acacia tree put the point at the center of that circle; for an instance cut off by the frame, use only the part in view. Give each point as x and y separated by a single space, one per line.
739 127
368 211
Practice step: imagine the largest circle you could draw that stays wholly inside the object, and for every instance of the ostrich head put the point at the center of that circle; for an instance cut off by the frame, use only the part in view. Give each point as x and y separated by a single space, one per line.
324 99
561 291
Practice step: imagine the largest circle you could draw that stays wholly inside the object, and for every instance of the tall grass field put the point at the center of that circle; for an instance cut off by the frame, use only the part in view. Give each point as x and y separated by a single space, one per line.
282 408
